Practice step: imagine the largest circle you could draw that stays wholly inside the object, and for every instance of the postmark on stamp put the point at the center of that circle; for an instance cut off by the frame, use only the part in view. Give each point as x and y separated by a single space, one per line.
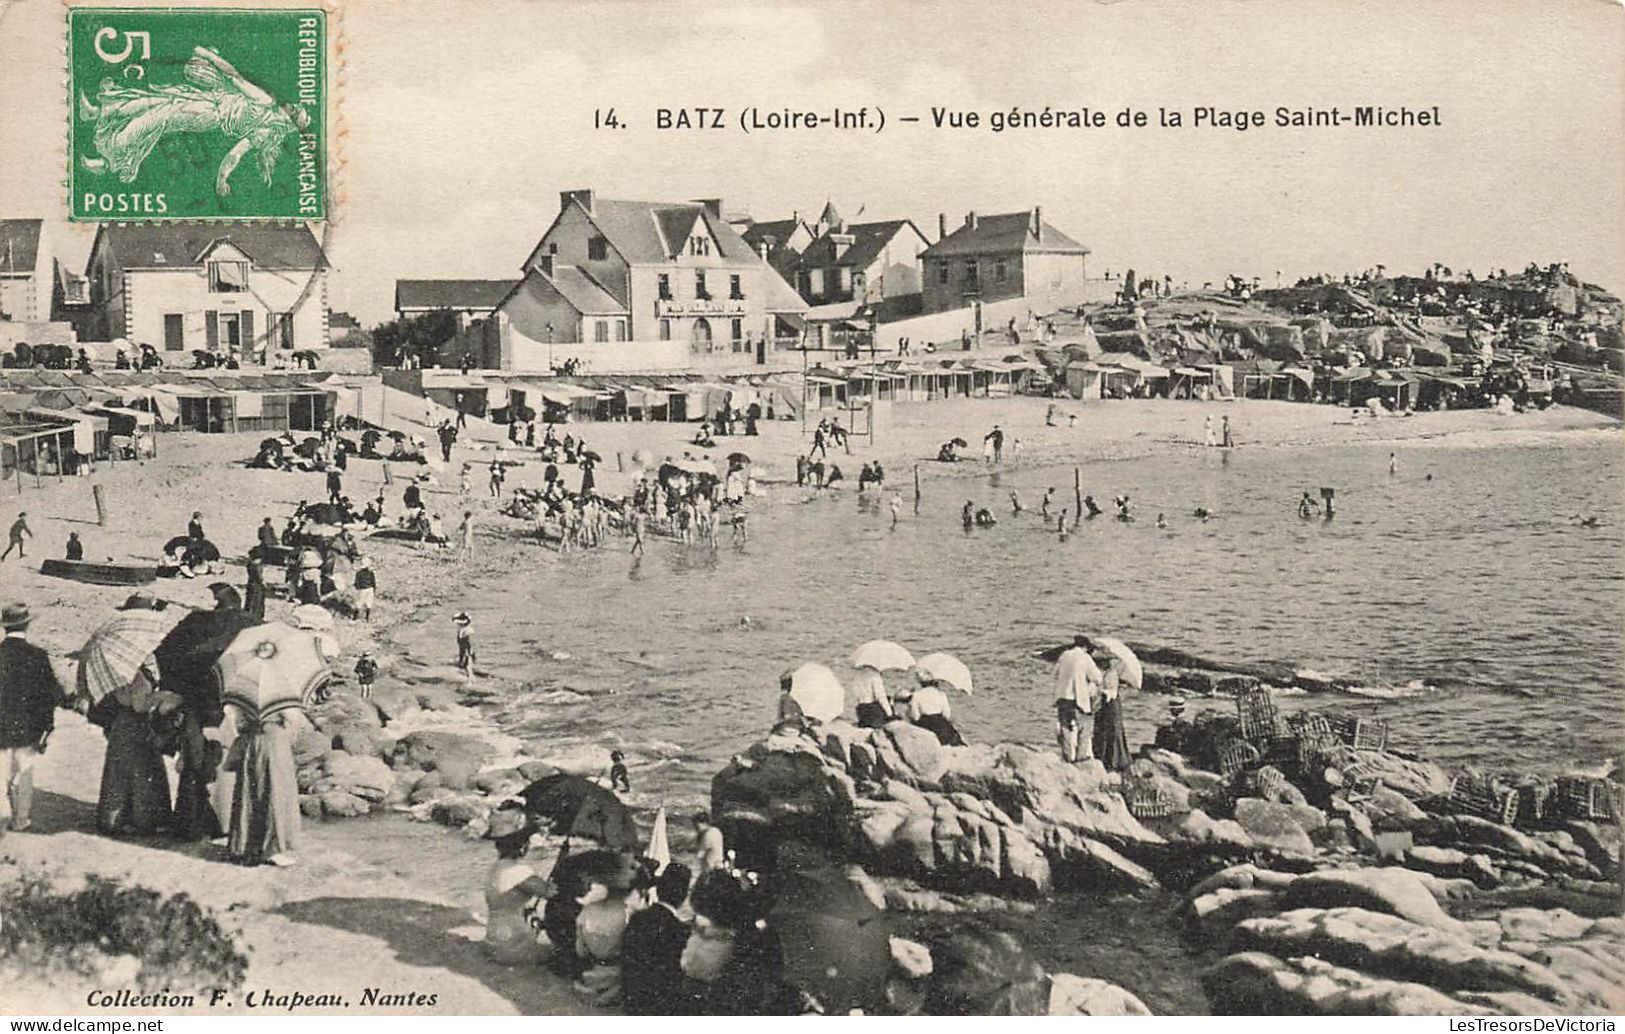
197 113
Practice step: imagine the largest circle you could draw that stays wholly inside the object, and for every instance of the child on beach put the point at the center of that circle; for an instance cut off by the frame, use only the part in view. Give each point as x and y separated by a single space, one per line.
467 486
465 643
619 778
366 585
366 670
896 504
1061 524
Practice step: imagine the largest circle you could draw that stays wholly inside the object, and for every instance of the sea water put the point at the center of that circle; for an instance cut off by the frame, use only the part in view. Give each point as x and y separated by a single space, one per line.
1459 593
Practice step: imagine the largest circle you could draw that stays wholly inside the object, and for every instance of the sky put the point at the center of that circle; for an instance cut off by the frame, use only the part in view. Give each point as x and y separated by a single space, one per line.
458 124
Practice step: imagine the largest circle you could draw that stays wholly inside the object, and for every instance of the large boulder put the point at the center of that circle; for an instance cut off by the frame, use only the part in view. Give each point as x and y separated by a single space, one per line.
1089 996
1258 983
919 750
365 777
1040 791
784 788
1395 891
435 750
1273 825
1388 946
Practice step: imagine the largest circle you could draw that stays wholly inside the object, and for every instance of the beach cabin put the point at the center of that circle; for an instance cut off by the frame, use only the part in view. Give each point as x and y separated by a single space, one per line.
1292 384
1085 380
31 447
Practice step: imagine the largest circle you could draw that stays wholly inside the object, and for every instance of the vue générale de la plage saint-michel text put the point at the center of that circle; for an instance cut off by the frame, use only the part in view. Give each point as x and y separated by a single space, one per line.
875 118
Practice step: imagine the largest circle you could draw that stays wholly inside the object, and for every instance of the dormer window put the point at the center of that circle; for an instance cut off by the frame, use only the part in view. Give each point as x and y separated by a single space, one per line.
228 277
597 249
699 244
700 290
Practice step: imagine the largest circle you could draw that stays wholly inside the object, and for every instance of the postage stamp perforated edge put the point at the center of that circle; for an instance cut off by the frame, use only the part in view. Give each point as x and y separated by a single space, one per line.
321 203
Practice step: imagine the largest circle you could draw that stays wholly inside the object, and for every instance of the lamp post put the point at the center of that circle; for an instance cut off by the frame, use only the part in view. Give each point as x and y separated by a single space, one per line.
550 348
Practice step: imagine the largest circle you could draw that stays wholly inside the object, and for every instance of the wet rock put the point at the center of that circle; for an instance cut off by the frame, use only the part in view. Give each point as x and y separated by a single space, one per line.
1273 825
530 771
897 790
1087 996
360 740
432 697
426 794
1398 892
1388 946
1243 877
456 811
1026 869
1093 864
310 805
338 804
913 898
1534 924
1255 982
1390 809
436 750
364 777
1199 828
499 782
395 701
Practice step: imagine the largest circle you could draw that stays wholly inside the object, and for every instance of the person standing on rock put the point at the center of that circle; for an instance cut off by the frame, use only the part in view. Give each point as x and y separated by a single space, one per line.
465 643
1076 678
1108 739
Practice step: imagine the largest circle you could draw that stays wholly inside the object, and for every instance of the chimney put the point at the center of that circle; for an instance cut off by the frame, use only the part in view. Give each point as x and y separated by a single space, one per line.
970 220
762 248
942 225
583 196
712 205
1038 222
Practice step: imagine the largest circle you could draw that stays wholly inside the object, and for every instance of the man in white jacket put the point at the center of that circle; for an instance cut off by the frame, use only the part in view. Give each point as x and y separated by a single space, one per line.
1077 679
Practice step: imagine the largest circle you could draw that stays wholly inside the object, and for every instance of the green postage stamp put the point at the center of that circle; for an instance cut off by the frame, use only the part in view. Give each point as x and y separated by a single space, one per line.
197 113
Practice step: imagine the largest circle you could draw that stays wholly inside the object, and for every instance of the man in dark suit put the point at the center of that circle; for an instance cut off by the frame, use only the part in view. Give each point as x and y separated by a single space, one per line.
652 949
29 696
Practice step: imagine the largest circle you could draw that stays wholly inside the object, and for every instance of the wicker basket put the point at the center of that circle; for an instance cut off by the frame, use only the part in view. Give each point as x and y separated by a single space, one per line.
1260 721
1590 800
1147 800
1358 731
1237 756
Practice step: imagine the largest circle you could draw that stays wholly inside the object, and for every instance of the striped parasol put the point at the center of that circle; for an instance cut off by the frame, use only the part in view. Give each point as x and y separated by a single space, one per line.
115 651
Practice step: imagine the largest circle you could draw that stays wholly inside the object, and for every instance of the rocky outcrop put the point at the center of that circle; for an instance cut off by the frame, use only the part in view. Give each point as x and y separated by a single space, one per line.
1000 818
977 971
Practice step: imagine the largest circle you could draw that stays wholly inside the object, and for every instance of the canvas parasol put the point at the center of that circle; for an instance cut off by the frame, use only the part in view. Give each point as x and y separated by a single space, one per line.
116 650
1125 657
960 442
944 667
271 668
740 458
817 691
574 806
881 655
659 849
834 942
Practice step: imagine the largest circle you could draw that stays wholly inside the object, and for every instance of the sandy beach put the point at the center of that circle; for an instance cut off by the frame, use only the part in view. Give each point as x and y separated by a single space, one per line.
406 894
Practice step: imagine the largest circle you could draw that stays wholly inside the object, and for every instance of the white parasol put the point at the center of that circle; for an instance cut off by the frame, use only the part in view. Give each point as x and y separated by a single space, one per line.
882 655
1125 658
944 667
817 691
